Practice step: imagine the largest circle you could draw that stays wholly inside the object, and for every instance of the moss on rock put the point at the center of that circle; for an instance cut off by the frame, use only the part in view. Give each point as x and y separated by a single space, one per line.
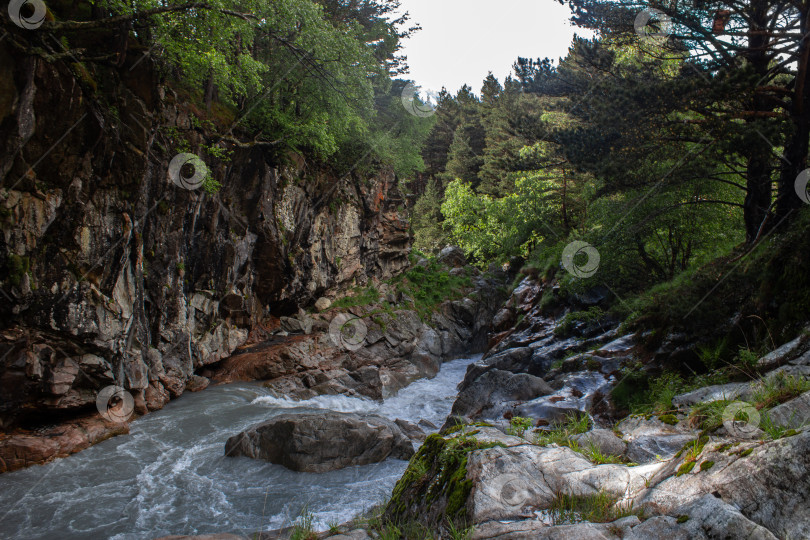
434 488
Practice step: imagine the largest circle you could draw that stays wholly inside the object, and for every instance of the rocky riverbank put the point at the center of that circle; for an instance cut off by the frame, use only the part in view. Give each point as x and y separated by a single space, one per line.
311 353
539 444
544 449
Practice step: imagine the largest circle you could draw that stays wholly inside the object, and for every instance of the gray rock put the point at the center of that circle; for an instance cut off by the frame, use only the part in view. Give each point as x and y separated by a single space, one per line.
512 483
411 430
489 394
784 354
794 413
662 528
532 529
730 391
604 439
293 325
503 319
323 441
427 424
650 440
452 256
714 518
323 303
357 534
652 448
769 485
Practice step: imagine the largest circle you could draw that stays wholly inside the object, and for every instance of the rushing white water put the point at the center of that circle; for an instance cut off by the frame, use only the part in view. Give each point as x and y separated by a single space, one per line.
169 475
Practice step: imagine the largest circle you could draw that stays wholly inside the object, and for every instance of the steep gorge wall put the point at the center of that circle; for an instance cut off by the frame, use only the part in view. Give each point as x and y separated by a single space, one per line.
112 274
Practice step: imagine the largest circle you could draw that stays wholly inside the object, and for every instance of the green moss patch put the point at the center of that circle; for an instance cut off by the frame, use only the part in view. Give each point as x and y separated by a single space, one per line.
670 419
685 468
434 488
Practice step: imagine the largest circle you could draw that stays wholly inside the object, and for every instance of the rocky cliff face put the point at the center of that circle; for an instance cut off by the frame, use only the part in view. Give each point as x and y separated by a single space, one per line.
110 273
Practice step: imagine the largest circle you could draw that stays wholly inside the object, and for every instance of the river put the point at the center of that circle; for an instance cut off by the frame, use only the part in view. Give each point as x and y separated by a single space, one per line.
169 474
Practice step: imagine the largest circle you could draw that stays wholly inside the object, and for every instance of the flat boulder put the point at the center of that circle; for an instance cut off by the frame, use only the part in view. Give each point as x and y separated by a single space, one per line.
322 441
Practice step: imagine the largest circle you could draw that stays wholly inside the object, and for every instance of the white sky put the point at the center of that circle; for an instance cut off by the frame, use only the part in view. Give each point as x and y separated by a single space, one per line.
462 40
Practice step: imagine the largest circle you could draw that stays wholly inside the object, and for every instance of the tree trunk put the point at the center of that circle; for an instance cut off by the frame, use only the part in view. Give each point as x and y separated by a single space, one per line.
758 194
758 167
799 137
209 91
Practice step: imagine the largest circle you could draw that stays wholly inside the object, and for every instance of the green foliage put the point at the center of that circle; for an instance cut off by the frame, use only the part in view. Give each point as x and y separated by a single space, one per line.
779 388
438 471
460 533
670 419
566 324
775 431
303 528
685 468
359 297
709 416
426 220
430 285
16 267
597 457
311 76
600 507
640 394
518 425
561 433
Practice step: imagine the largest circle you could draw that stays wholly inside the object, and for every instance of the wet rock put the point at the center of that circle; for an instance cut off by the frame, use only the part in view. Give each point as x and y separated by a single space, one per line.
197 383
517 360
491 393
620 345
427 424
411 430
22 449
320 442
156 396
503 319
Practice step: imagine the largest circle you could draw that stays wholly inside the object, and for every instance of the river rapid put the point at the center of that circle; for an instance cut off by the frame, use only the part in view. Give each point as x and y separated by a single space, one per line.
169 474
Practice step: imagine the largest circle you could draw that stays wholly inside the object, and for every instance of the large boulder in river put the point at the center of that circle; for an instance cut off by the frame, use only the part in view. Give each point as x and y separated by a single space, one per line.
495 392
322 441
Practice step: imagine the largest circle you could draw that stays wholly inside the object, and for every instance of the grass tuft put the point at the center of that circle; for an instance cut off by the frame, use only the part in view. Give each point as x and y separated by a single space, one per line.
600 507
